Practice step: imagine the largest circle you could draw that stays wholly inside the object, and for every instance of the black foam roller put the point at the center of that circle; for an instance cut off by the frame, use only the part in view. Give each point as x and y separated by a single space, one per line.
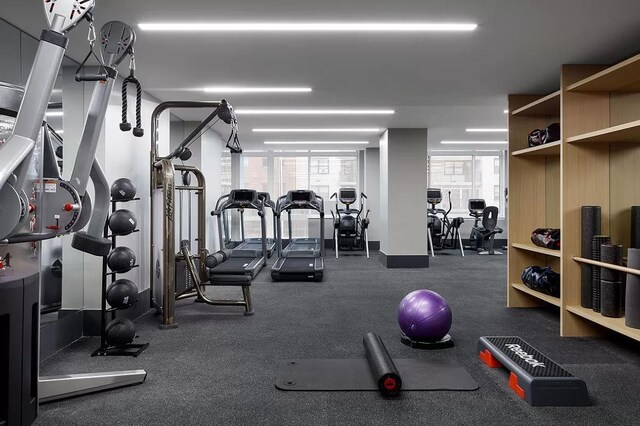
611 254
635 227
611 299
382 367
632 302
598 241
591 224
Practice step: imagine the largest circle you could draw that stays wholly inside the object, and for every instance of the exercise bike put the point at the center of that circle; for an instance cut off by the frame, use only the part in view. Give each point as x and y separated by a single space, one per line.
442 233
349 227
476 209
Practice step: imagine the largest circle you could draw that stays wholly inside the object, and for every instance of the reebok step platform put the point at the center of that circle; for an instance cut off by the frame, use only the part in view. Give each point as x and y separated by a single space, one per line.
534 377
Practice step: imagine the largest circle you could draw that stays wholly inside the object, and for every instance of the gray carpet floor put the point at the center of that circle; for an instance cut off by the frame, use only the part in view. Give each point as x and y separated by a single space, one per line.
219 367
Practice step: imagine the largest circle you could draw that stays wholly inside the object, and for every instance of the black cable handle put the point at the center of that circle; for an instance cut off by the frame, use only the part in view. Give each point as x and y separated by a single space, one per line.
125 126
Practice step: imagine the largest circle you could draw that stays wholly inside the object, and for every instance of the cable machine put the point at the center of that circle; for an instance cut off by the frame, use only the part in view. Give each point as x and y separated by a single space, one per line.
163 206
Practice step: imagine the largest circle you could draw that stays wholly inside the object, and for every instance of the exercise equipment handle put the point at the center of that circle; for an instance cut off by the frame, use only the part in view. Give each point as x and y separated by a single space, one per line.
91 77
383 369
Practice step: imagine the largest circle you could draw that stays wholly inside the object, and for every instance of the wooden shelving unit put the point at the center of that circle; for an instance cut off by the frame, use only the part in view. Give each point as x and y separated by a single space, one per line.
535 249
535 172
627 132
595 163
622 269
615 324
552 148
620 77
545 106
549 299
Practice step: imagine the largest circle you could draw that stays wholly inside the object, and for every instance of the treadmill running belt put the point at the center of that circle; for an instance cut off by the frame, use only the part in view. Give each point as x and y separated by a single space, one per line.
254 245
232 266
298 265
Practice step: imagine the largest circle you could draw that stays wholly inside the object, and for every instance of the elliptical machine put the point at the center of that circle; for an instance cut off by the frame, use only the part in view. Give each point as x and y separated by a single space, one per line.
349 227
442 233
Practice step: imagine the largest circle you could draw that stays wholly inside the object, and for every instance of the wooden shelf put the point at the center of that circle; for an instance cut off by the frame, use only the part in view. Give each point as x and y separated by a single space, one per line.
545 106
615 324
536 249
628 132
549 299
595 164
549 149
620 77
619 268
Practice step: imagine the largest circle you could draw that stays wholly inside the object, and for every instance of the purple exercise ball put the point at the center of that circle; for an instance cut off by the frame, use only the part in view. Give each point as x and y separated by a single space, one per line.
424 316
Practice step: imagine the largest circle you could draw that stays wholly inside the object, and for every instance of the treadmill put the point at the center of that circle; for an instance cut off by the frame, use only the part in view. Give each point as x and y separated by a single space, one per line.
256 243
303 258
242 263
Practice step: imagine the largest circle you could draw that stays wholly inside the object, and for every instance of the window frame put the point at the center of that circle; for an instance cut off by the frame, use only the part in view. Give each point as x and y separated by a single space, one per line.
501 157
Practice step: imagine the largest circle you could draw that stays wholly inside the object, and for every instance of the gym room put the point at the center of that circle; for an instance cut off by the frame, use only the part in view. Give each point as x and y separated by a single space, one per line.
363 212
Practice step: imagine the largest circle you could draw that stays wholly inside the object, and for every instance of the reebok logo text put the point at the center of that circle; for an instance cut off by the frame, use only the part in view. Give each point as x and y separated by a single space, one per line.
529 359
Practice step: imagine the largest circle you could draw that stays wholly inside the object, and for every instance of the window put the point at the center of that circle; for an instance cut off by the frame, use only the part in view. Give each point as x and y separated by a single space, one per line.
346 168
467 176
321 190
292 173
255 175
454 167
487 182
278 172
319 166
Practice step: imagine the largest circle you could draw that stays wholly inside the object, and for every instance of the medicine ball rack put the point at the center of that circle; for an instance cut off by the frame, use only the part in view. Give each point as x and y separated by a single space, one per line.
131 349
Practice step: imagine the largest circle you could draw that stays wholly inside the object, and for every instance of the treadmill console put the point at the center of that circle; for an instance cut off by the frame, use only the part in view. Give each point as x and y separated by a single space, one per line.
243 197
301 197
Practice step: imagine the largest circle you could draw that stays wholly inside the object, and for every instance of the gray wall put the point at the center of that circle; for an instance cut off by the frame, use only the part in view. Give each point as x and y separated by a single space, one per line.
403 189
17 50
372 189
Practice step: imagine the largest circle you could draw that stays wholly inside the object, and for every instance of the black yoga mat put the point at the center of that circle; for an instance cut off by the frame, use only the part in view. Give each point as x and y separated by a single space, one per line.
591 223
355 375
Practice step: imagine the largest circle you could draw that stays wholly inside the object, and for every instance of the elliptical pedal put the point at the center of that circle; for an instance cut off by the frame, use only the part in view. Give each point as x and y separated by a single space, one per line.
534 377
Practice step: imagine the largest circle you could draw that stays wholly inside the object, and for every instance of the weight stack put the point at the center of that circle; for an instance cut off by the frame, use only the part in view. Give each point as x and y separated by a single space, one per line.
597 242
635 227
632 310
612 290
591 223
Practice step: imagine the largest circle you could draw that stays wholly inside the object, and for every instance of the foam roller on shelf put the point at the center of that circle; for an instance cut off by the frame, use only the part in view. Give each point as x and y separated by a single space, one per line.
632 302
598 241
591 224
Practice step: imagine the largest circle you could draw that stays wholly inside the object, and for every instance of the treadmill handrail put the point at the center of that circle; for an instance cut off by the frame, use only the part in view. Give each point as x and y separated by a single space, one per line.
282 206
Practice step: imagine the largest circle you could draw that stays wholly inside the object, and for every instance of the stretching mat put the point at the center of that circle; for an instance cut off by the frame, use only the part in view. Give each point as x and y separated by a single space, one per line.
355 375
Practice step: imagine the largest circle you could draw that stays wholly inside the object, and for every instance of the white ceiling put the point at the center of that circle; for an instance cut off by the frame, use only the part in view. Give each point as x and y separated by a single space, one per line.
442 81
